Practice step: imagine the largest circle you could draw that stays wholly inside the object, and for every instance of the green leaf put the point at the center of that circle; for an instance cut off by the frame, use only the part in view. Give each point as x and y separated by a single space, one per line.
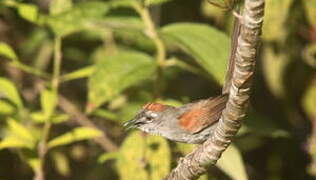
77 18
9 91
6 108
155 2
232 164
275 19
121 3
107 156
121 22
28 12
34 163
14 142
48 102
274 65
7 51
310 11
40 117
59 6
131 158
158 156
135 39
80 73
59 118
105 114
213 12
38 42
309 101
113 74
77 134
185 148
208 46
18 136
19 130
61 163
204 177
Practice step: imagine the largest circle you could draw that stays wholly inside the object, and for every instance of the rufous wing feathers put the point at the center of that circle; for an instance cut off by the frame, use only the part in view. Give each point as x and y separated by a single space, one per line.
203 114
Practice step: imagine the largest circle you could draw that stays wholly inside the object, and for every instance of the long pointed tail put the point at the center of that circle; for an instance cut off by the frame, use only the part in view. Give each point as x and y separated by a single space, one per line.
231 60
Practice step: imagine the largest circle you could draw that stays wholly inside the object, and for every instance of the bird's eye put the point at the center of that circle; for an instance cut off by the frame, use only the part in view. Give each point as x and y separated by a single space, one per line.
151 116
149 119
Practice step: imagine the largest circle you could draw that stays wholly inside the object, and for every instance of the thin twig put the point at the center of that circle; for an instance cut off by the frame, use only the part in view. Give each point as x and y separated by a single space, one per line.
83 120
197 162
42 147
152 33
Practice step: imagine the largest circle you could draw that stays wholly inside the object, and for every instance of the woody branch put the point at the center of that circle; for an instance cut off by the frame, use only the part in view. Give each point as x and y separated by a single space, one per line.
197 162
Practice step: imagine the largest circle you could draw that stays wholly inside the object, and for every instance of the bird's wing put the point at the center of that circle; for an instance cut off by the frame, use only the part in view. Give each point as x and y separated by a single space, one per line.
202 114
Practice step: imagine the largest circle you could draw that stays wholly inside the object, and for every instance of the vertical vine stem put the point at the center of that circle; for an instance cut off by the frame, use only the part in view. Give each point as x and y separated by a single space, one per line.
152 33
197 162
42 147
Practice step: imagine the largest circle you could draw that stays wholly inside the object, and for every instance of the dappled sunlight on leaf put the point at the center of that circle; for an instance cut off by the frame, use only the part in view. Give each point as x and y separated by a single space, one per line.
148 155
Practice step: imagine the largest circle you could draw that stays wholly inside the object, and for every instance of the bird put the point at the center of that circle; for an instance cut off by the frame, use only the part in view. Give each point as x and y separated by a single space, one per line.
191 123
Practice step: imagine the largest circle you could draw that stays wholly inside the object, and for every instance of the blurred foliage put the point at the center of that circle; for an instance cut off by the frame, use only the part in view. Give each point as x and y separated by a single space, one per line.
102 56
142 157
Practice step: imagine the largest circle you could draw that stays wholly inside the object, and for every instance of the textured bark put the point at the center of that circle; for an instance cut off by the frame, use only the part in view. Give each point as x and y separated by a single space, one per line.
197 162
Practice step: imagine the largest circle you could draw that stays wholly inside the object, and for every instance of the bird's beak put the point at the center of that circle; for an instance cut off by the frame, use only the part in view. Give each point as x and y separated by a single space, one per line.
134 123
130 124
